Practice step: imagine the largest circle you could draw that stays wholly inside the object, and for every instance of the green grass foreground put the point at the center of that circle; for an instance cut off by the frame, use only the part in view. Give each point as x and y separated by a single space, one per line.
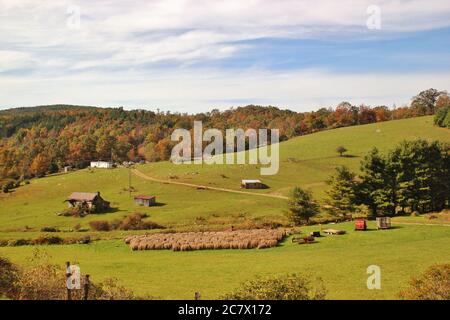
341 261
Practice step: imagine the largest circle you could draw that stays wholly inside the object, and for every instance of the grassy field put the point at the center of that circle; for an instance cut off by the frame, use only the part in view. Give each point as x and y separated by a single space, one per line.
180 207
306 161
340 260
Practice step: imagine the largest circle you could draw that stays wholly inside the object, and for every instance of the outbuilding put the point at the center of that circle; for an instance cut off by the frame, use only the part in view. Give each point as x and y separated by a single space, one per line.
146 201
101 164
89 201
360 225
252 184
383 223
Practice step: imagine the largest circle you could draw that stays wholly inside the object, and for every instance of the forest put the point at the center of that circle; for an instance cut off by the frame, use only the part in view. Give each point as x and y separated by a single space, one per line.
36 141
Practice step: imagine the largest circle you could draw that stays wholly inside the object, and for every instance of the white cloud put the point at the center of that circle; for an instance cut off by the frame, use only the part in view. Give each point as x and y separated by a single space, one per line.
100 62
11 60
194 90
148 31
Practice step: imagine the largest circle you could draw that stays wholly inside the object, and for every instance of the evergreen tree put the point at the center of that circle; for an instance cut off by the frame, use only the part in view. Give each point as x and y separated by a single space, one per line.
301 206
342 195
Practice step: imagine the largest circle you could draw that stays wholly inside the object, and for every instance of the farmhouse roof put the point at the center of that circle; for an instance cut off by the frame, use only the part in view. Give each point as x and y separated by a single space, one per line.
82 196
141 197
251 181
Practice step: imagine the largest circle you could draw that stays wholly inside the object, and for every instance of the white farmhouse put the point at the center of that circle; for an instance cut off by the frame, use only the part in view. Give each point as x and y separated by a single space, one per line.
101 164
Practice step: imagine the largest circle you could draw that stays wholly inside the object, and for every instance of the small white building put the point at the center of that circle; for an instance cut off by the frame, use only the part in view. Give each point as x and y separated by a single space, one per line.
101 164
252 184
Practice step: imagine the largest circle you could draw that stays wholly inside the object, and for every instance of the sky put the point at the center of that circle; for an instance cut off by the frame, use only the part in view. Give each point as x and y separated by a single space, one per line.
195 55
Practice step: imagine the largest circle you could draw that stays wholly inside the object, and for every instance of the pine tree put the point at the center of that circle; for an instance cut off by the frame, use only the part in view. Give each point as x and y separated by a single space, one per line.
301 206
342 195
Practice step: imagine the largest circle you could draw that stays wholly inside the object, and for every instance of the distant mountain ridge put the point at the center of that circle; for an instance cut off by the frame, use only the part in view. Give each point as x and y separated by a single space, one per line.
44 139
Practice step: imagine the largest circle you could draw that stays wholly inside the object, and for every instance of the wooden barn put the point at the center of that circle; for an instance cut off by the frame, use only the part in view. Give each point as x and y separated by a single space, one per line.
87 200
146 201
252 184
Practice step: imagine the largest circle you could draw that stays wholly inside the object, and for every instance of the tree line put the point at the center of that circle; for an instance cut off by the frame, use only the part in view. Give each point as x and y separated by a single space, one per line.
414 177
41 140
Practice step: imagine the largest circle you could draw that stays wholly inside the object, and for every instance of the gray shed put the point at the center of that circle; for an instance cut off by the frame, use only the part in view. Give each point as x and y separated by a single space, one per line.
146 201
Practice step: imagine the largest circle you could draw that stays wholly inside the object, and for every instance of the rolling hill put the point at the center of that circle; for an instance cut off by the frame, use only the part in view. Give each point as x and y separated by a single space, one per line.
307 161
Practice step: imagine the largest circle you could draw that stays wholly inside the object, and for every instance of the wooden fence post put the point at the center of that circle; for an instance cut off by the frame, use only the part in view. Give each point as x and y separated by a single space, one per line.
87 283
68 275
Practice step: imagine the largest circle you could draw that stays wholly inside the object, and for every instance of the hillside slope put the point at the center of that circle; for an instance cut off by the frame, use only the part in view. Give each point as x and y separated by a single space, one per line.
307 161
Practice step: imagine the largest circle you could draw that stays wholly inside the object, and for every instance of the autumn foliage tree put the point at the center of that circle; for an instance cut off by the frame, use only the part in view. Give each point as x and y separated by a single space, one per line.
39 140
40 165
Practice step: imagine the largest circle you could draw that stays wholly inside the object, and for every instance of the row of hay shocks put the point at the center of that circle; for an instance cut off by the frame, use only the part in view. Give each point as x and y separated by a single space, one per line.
71 282
185 241
360 225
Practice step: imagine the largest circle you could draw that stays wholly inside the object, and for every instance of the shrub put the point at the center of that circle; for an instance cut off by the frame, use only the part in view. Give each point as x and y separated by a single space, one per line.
19 242
49 229
287 287
47 240
46 281
148 225
41 282
110 289
73 212
132 222
433 284
80 240
5 188
8 276
135 222
99 225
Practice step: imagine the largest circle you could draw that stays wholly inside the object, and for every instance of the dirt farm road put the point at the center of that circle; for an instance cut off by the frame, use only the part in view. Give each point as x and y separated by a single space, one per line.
198 186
